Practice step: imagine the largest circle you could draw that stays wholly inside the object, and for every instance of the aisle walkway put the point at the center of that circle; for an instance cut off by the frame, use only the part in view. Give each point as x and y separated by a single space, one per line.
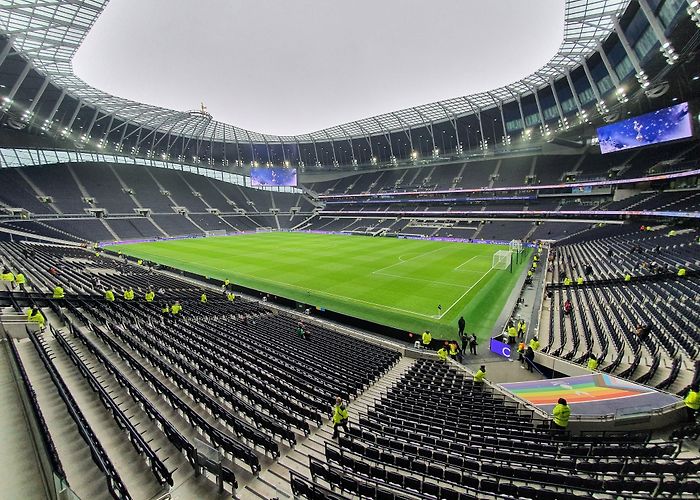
20 475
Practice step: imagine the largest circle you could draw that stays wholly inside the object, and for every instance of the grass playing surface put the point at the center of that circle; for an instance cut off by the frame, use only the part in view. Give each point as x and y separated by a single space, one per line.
394 282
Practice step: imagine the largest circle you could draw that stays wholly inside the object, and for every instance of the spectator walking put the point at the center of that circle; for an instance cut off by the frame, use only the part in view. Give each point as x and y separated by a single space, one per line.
521 353
592 362
465 341
529 358
480 374
109 295
561 414
427 338
472 343
34 315
454 351
340 417
512 333
21 280
692 402
461 324
58 292
568 307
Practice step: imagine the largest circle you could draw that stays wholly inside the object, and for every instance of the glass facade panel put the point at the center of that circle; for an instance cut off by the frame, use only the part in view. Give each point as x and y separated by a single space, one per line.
670 9
10 157
645 43
532 119
605 84
551 113
624 68
514 125
586 96
568 105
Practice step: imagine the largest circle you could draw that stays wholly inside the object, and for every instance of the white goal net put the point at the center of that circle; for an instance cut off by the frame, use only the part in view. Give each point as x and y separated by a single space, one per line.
501 259
516 246
218 232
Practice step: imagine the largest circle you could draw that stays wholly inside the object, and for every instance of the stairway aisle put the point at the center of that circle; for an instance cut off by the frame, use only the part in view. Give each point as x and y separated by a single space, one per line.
138 479
273 481
20 475
186 484
85 479
174 460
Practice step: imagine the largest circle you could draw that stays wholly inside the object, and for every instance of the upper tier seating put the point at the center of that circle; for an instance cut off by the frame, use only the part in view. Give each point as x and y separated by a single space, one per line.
101 183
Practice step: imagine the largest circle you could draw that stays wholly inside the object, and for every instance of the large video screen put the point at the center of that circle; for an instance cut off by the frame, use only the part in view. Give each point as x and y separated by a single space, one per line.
666 124
273 176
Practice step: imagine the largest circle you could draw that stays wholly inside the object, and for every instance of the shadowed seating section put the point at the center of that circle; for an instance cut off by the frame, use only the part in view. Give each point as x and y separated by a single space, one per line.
118 191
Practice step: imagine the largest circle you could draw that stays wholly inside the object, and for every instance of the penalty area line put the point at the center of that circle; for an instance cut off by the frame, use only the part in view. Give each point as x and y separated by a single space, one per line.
466 262
465 293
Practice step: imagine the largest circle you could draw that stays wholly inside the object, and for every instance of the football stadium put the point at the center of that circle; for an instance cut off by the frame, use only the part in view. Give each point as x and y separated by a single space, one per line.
481 294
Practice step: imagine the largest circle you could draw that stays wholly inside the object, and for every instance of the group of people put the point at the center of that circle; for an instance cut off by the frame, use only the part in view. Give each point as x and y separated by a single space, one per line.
451 348
516 330
533 266
13 279
526 353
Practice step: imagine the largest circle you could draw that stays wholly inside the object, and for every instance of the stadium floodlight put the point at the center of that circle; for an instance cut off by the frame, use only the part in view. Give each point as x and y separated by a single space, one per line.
694 12
502 259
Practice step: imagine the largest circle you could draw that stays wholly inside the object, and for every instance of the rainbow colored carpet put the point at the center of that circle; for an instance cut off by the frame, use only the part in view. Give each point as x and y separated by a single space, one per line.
592 395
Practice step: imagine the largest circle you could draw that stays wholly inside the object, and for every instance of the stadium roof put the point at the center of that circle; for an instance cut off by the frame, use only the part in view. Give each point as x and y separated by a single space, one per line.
48 32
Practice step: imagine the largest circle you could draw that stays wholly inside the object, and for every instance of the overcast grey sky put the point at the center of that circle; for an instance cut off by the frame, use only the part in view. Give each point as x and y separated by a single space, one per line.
295 66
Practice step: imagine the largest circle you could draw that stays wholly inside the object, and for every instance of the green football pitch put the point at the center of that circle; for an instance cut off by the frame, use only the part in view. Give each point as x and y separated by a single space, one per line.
395 282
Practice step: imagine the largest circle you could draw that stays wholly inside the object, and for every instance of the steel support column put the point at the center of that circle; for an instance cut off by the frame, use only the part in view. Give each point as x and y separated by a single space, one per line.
564 122
642 77
619 90
600 103
666 48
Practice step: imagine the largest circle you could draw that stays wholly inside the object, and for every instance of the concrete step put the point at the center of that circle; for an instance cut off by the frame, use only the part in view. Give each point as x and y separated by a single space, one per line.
131 467
86 480
20 474
274 480
186 485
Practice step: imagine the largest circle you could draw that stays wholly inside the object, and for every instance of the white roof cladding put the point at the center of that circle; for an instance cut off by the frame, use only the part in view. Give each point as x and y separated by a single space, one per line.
50 31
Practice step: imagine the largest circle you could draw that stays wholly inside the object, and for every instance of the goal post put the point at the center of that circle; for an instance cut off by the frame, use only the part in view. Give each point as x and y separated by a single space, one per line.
217 232
502 259
516 247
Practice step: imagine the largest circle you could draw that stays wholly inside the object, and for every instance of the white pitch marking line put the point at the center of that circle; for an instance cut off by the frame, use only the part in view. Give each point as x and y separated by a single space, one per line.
351 299
409 259
418 279
467 261
465 293
339 297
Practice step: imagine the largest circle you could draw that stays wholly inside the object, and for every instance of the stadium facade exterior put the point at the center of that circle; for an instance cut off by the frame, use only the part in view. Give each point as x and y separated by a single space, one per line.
616 55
